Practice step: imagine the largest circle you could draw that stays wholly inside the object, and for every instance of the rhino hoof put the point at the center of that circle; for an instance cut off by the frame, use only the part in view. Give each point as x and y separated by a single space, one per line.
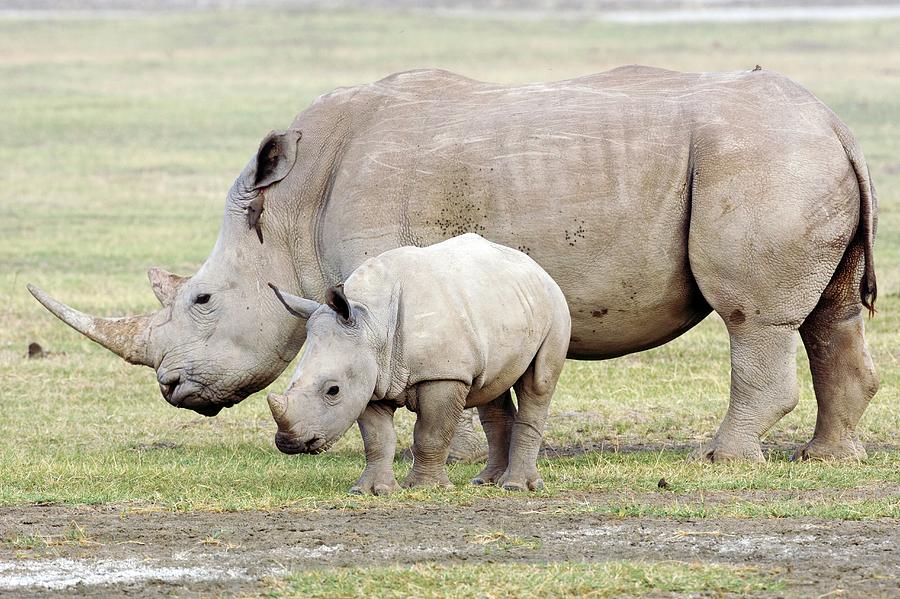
531 485
847 449
380 490
717 451
513 487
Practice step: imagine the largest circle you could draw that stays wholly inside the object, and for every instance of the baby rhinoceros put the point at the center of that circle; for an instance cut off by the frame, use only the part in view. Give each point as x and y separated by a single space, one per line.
436 329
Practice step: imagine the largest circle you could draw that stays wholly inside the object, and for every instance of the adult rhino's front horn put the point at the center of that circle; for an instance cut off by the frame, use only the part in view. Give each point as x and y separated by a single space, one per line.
126 337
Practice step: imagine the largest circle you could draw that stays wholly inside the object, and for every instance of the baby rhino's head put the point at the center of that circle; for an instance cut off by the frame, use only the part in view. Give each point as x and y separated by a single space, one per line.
334 380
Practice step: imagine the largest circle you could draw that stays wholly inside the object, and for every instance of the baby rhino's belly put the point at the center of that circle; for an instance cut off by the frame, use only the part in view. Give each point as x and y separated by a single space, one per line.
504 367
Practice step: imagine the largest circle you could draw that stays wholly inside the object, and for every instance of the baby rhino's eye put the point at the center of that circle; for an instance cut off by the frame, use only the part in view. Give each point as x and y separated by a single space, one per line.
333 390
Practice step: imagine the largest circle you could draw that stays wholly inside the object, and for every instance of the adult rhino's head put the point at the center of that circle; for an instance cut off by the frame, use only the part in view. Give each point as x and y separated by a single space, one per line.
335 379
220 334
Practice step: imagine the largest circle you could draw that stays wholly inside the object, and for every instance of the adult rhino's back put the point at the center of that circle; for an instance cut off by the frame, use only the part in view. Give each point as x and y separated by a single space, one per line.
590 176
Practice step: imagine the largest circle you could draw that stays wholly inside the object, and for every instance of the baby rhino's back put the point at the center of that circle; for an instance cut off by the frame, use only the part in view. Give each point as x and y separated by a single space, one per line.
475 311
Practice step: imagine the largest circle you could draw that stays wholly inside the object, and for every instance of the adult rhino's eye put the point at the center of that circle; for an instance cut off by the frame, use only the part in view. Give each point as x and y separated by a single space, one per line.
202 298
333 390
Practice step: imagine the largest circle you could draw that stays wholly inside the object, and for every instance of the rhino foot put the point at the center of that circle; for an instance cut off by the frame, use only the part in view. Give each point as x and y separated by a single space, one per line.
378 483
417 479
819 449
488 476
734 449
532 482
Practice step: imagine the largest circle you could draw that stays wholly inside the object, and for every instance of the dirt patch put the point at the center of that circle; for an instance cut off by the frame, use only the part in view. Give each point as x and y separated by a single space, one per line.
85 551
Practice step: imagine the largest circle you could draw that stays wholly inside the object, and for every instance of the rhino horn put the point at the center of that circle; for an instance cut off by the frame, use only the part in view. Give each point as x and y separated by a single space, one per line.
125 337
165 284
278 407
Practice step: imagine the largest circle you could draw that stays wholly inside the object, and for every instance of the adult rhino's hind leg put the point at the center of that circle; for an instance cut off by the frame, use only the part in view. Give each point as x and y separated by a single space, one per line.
766 236
763 389
843 375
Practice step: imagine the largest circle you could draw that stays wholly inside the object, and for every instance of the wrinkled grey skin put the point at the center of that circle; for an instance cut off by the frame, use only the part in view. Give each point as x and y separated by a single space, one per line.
652 197
437 330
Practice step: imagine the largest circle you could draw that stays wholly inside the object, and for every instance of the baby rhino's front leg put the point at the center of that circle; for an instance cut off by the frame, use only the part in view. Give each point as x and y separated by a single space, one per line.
380 440
440 404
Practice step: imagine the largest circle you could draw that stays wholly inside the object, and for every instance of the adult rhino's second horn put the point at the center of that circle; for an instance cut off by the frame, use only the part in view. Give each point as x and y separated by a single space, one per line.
125 337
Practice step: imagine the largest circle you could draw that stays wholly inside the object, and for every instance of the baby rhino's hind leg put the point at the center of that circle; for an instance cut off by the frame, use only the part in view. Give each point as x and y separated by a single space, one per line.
497 418
525 443
534 389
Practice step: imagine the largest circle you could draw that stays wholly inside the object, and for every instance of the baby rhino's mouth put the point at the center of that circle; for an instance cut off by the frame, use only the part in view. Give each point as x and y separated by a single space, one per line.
287 443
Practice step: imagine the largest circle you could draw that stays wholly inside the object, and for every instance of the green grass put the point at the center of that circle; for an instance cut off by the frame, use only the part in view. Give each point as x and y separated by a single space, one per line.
252 476
609 579
120 139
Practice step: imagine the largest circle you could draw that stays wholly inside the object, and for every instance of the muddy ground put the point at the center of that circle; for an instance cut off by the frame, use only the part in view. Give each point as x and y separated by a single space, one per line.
94 552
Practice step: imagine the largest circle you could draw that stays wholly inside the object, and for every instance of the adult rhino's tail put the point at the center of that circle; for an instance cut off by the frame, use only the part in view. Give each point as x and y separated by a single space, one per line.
868 213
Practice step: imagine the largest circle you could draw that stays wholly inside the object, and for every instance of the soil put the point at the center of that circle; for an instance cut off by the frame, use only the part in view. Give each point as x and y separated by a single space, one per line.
103 551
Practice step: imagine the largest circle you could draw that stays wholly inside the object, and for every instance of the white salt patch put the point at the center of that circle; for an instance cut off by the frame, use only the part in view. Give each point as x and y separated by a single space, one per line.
307 553
602 531
63 572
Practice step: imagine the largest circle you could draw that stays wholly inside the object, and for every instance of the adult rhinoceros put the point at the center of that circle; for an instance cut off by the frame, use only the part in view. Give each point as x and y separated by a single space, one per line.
652 197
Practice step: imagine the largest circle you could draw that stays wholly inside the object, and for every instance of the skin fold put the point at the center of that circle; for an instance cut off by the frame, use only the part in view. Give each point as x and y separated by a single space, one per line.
436 330
651 197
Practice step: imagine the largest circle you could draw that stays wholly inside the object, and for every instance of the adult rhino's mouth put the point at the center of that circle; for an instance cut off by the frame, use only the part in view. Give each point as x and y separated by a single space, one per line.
188 394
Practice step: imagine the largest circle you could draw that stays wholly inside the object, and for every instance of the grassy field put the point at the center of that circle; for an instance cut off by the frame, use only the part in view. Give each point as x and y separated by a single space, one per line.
118 141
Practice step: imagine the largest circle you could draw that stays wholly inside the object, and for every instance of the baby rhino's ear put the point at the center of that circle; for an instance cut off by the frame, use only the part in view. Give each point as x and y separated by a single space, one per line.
298 306
337 301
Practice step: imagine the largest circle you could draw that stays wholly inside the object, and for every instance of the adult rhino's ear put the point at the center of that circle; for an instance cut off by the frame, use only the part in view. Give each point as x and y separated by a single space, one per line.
275 158
298 306
165 285
337 301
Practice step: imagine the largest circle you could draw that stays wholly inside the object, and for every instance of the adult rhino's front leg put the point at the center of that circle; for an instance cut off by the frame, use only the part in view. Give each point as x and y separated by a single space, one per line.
439 405
380 440
468 445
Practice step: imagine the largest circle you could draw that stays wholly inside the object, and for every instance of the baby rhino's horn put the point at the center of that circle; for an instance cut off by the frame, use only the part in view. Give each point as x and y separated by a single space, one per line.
278 406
